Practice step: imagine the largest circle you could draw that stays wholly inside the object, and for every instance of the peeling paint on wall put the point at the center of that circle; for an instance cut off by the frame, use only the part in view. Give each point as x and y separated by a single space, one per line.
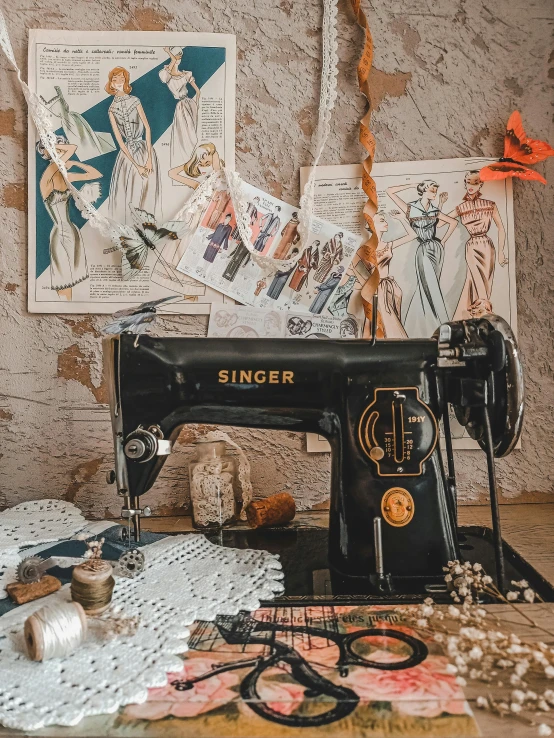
444 83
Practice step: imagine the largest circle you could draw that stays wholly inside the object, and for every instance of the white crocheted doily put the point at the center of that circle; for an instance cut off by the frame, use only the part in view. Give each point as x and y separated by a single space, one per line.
31 523
186 578
39 521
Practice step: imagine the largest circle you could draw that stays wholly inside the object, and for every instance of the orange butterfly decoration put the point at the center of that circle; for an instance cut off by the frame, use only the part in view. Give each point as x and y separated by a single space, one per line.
519 150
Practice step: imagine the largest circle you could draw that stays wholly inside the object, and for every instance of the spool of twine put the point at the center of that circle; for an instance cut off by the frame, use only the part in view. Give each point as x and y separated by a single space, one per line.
55 631
92 586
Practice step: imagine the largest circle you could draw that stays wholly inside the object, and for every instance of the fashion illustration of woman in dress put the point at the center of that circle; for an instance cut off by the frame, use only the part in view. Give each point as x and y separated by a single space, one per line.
77 130
202 163
68 263
280 279
325 290
427 309
135 177
477 215
389 292
185 120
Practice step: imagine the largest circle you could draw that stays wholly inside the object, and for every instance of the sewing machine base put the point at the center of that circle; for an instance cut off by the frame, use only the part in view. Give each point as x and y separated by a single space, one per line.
303 554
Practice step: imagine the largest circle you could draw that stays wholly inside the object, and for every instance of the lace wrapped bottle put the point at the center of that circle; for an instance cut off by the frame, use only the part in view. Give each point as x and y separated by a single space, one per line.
212 485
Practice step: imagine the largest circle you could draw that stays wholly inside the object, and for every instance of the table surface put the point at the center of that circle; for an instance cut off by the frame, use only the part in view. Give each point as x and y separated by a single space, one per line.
528 528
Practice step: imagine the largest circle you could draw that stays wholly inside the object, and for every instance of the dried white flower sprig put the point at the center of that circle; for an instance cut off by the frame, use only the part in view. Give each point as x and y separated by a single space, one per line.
480 651
94 549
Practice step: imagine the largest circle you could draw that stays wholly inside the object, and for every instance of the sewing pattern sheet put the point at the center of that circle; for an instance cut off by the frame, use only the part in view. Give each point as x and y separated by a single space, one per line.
142 120
425 278
238 321
217 257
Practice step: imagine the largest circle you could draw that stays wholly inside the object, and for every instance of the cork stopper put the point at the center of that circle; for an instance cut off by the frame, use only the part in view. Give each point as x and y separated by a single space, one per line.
275 510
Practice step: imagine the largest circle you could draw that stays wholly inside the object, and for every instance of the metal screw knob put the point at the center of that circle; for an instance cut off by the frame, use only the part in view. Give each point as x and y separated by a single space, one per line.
376 453
135 449
147 512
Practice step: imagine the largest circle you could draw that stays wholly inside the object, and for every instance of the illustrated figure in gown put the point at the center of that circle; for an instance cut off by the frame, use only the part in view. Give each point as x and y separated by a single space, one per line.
389 292
192 173
68 263
185 120
135 176
77 130
308 261
325 290
241 255
269 225
280 279
427 310
477 215
218 240
339 306
289 237
331 255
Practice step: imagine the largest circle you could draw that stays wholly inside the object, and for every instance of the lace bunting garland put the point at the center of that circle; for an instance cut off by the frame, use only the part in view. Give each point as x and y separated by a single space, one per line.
186 578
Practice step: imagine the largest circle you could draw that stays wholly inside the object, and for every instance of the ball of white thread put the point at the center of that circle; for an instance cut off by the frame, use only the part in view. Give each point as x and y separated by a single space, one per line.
55 630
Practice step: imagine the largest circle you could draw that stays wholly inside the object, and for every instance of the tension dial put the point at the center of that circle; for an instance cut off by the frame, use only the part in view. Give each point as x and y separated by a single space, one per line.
397 432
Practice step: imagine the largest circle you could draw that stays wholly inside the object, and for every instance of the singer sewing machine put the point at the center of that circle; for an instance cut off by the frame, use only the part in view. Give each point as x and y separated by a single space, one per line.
392 521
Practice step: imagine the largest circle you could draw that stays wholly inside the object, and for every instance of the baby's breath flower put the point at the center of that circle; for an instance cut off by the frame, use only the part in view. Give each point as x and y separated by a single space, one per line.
518 696
482 702
514 707
544 730
549 671
476 653
529 595
512 596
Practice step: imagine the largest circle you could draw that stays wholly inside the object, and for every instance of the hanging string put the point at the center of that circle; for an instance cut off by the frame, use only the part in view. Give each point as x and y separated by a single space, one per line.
55 631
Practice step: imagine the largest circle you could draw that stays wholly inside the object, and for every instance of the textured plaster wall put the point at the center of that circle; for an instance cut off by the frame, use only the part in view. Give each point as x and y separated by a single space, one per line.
447 74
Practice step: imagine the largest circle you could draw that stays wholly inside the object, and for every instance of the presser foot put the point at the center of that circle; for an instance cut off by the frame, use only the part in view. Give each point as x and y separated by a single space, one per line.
133 513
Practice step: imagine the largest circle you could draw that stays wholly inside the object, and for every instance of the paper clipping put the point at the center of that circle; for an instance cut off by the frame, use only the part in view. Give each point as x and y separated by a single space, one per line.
217 257
142 118
237 321
446 247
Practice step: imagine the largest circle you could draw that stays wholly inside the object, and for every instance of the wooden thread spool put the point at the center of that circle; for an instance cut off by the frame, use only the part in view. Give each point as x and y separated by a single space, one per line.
275 510
92 586
55 631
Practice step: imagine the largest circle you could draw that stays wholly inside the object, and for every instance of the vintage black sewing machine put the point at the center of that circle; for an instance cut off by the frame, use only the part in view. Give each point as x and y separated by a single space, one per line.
392 523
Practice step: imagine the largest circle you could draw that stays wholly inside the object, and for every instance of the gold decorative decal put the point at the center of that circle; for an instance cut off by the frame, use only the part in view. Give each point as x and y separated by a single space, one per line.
397 507
253 376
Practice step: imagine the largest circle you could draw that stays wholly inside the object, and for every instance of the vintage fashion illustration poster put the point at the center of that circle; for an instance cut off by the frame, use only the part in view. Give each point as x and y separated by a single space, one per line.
337 671
446 246
217 257
446 242
141 120
239 321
